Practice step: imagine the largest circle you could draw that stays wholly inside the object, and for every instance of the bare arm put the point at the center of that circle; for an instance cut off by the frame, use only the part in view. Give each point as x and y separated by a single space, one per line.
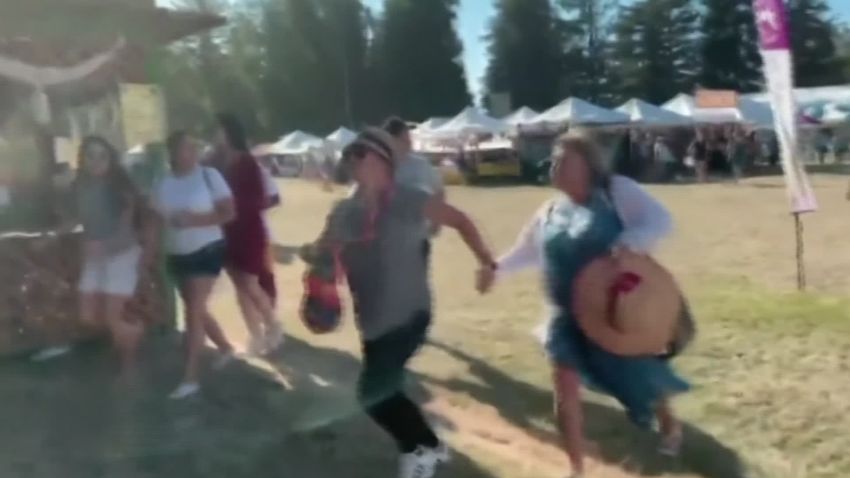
439 212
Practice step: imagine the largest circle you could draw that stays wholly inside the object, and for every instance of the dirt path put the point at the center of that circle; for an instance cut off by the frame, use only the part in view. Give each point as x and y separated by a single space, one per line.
481 426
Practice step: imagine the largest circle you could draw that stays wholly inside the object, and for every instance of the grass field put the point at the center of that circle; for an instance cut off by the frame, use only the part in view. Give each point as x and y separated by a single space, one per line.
770 366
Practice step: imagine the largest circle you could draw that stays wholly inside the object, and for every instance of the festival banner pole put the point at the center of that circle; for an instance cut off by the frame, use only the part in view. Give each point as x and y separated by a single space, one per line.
775 45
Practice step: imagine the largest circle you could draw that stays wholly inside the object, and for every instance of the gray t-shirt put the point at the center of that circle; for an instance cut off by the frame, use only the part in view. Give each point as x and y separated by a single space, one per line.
387 272
100 208
417 172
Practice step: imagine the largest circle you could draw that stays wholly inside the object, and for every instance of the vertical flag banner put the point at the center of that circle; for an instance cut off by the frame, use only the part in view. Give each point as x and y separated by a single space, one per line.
775 46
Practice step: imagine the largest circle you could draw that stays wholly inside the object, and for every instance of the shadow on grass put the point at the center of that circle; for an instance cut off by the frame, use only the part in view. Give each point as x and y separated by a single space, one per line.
70 418
621 443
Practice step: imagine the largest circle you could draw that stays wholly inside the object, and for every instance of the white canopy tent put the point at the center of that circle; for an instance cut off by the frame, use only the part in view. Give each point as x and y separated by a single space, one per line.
577 111
648 114
341 138
839 94
681 104
748 111
471 121
524 115
297 143
429 125
834 115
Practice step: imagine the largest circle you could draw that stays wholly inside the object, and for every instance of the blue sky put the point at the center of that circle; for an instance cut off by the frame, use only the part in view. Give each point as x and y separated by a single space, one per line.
474 16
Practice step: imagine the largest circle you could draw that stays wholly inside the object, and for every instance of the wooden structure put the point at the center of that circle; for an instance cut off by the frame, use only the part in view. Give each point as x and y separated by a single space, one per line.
57 58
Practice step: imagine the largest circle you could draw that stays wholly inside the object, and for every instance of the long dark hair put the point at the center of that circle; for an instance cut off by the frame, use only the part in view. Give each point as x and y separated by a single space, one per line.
117 178
234 132
173 143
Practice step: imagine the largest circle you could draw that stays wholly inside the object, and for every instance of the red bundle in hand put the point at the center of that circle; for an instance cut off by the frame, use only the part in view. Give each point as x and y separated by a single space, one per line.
321 306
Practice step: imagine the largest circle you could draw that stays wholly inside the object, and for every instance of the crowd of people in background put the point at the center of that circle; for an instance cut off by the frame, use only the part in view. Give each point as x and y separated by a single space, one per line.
728 152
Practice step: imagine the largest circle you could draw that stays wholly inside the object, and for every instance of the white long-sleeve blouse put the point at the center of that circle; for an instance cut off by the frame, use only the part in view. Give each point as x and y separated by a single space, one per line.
645 223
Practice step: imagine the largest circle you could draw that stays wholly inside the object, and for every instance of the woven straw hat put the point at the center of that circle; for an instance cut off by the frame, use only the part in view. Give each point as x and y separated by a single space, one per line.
629 305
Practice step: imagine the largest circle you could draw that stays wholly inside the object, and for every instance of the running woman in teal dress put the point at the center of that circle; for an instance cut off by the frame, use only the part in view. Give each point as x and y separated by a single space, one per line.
594 214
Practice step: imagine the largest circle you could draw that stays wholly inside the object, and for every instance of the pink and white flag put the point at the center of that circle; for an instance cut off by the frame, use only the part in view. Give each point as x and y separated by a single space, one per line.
772 22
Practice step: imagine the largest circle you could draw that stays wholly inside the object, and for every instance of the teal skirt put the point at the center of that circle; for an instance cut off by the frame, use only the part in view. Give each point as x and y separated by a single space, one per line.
638 383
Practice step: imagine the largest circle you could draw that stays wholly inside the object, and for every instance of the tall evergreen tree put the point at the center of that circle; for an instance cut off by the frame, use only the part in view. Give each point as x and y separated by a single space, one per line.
520 27
315 63
418 55
729 51
215 71
654 49
813 36
586 34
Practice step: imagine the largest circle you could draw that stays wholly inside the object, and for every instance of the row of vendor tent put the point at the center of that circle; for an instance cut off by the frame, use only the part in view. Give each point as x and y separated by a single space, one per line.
682 110
299 143
819 106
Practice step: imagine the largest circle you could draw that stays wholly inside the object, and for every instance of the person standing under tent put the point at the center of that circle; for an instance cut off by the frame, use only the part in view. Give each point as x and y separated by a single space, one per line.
195 203
594 214
737 153
665 159
247 240
376 233
698 153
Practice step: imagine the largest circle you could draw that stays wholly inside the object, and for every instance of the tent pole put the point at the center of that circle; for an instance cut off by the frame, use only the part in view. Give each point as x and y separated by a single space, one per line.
801 265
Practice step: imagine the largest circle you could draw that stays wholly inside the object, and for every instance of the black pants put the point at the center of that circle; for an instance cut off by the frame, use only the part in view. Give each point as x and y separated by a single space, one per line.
381 387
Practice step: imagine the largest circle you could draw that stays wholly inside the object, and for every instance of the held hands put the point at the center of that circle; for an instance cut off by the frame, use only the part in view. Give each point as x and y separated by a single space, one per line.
485 278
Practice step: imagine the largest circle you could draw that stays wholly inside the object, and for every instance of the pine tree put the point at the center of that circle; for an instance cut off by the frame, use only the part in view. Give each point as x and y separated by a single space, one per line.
653 54
520 27
315 63
813 36
729 51
215 71
417 53
585 36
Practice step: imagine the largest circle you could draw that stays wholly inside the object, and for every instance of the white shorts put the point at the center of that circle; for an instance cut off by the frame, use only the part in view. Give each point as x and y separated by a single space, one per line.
112 275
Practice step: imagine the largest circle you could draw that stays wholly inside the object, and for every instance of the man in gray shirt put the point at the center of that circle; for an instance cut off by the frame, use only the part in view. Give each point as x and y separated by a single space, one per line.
414 171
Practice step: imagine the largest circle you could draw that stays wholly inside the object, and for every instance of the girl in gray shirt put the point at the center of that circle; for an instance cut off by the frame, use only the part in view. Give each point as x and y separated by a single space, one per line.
105 200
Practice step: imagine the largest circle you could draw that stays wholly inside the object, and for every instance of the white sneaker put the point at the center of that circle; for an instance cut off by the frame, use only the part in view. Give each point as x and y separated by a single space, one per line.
51 353
274 336
185 390
422 463
256 347
224 360
671 444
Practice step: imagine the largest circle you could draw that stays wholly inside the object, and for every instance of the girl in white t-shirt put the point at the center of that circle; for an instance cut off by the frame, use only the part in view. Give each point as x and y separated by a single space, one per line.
195 202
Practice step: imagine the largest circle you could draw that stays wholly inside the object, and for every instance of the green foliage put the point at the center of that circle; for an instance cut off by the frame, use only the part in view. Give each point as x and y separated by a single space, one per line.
318 64
417 56
729 51
654 52
315 64
586 36
520 27
813 36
